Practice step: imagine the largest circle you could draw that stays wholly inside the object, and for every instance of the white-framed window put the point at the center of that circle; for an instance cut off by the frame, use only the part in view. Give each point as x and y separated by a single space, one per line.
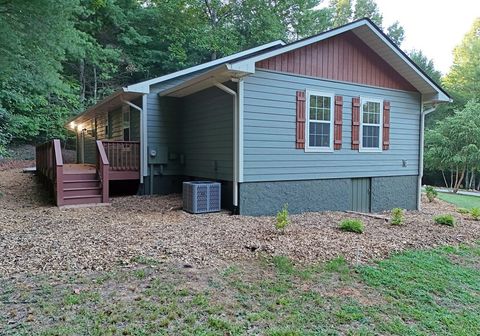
371 119
319 121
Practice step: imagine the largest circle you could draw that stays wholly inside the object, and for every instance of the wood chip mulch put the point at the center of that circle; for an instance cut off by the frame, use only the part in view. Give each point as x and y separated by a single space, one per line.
38 238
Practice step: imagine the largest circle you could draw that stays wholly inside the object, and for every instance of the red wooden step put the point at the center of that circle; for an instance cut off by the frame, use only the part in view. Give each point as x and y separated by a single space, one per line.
83 176
81 183
84 191
85 199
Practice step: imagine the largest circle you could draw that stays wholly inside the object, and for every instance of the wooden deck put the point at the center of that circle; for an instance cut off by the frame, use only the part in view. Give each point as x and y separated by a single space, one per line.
79 168
87 184
114 175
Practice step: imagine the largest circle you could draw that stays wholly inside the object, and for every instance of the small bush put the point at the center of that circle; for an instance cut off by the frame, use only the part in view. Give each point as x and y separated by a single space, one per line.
352 225
431 193
475 213
463 211
282 219
397 216
445 220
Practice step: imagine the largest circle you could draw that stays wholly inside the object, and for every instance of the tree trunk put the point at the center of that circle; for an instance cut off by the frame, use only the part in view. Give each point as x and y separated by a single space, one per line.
451 179
95 83
81 68
444 179
458 179
472 179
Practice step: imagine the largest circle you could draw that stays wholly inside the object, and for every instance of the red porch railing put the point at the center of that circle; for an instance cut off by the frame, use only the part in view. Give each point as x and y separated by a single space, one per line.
103 171
123 155
49 165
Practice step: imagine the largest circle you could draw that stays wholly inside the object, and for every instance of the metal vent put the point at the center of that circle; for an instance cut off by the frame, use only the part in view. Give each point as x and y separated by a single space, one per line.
201 196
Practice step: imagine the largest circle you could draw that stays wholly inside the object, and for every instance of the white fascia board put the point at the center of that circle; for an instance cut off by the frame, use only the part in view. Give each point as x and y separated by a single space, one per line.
144 87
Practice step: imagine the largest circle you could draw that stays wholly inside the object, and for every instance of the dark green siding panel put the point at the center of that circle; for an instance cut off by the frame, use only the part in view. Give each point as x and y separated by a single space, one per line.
207 134
269 132
198 128
361 194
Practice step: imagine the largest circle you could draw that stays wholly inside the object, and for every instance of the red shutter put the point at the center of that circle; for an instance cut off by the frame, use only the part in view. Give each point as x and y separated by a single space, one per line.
300 141
355 122
337 144
386 125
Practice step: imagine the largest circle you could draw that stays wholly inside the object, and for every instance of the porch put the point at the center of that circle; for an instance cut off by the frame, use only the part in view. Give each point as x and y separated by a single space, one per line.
84 183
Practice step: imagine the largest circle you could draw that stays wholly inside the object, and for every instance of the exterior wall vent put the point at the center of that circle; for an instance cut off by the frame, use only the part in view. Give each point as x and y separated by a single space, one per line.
201 196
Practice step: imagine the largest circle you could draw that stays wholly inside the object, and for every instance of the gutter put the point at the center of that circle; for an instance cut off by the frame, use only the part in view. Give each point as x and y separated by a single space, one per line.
142 140
423 113
235 142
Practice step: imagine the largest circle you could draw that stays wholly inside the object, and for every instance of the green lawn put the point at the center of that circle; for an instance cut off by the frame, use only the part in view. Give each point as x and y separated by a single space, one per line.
461 201
432 292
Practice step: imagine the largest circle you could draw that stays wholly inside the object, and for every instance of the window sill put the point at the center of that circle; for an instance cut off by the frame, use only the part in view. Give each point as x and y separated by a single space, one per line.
318 150
370 150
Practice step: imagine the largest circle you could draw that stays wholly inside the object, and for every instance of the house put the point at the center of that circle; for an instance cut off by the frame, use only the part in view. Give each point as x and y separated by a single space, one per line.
331 122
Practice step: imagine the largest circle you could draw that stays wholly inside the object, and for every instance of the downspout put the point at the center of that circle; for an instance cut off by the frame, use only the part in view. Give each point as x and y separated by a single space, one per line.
235 142
141 136
423 113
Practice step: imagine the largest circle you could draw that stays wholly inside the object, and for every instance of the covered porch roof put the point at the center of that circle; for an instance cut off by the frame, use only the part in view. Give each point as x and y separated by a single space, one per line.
112 102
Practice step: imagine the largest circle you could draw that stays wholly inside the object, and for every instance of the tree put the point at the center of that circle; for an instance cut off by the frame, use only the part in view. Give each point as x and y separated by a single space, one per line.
261 21
396 33
369 9
35 95
341 12
463 80
454 144
426 65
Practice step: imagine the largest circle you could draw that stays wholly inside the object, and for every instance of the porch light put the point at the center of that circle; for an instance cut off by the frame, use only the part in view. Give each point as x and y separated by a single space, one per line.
73 125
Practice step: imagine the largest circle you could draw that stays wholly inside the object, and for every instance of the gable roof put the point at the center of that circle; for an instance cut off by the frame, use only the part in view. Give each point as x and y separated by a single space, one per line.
143 87
377 40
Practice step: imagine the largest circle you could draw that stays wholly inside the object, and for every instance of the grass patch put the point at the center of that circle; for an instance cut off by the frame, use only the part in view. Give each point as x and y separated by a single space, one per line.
352 225
461 201
433 292
446 219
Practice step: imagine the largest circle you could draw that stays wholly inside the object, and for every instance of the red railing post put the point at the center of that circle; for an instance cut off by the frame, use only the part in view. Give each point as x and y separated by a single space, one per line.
58 170
103 171
49 166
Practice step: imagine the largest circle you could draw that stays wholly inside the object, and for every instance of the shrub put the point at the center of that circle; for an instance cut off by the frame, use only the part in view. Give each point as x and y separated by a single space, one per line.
431 193
352 225
463 211
475 212
397 216
282 219
445 220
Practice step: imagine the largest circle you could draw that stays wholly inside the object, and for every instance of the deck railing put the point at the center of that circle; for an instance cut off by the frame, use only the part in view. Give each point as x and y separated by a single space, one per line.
49 165
103 171
123 155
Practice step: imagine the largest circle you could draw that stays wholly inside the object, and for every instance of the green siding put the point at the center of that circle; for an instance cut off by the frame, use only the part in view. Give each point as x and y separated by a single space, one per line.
207 134
361 194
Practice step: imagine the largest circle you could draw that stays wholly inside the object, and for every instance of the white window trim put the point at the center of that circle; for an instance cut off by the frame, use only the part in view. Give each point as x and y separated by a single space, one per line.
315 149
380 132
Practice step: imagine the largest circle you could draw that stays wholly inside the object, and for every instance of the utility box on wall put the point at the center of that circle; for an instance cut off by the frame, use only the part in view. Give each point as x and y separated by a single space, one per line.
157 155
201 196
